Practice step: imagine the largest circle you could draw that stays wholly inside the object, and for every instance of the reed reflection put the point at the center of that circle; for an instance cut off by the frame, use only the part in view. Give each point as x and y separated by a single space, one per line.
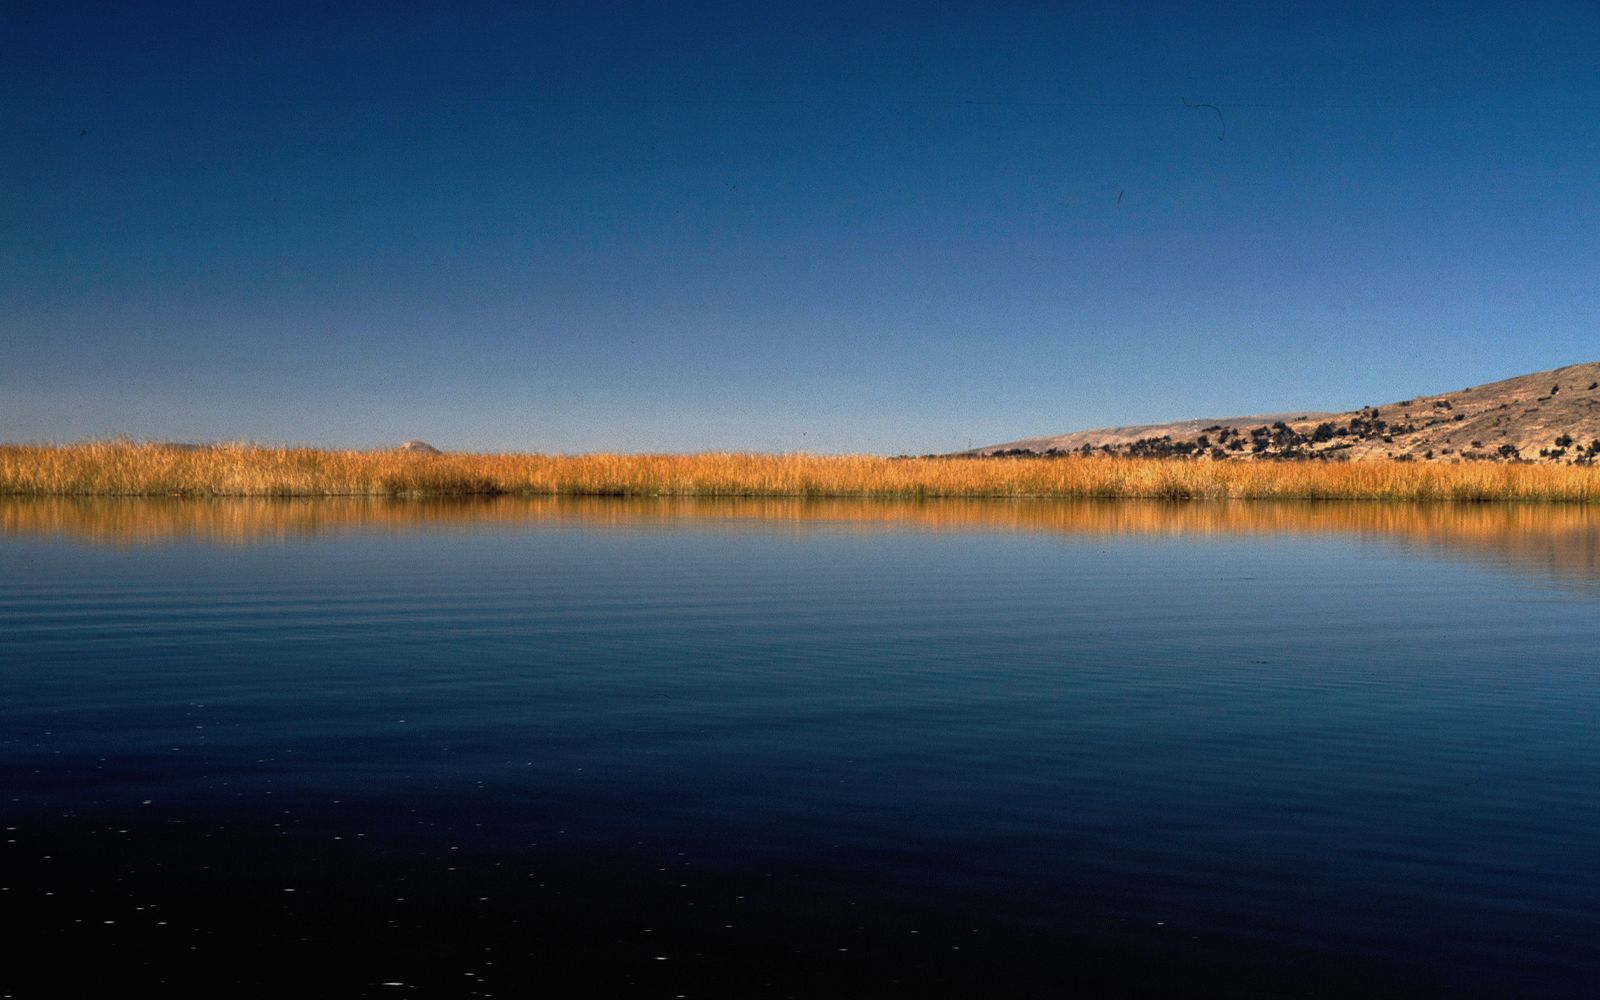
1560 539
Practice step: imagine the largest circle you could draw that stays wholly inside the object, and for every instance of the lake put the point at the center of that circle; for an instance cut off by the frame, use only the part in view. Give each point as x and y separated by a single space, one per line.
799 748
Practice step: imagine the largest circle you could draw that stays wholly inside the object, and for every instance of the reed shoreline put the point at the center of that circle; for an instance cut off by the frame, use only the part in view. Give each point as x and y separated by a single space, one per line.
121 468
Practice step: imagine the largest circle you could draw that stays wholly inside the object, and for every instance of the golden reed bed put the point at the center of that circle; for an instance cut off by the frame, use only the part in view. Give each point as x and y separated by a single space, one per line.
138 469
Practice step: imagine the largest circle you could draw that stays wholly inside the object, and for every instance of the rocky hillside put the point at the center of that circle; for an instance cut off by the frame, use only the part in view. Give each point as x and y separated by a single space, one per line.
1551 416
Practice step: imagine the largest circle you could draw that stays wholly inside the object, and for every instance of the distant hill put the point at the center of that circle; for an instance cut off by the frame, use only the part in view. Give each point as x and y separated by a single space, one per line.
1551 416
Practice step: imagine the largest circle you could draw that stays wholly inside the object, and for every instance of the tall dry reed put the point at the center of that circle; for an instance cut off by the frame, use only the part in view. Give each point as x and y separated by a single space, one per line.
120 468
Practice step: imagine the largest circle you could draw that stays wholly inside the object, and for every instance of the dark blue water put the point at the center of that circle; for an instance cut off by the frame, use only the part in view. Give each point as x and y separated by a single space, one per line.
798 756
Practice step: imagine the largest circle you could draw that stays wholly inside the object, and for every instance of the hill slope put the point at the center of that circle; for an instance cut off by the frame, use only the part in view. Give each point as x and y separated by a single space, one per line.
1551 416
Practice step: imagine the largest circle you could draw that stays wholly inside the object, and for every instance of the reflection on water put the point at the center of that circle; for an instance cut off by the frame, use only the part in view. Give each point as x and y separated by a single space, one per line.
1560 539
758 748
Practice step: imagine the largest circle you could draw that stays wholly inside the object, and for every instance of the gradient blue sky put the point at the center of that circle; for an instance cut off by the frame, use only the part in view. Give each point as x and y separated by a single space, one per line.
819 227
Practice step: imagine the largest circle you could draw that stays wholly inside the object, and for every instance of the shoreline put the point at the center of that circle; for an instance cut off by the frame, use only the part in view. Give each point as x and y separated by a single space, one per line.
132 469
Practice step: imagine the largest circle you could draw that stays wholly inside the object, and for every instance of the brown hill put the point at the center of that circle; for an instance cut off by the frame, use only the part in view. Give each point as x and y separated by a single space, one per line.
1551 416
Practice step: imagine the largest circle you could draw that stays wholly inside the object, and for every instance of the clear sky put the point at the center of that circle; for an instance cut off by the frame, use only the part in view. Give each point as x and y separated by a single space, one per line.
809 227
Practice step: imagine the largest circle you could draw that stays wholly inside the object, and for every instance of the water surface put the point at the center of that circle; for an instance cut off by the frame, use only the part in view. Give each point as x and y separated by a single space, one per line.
786 748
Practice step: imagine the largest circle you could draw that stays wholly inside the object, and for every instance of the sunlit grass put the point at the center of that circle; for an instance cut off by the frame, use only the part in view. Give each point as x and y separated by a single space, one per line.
120 468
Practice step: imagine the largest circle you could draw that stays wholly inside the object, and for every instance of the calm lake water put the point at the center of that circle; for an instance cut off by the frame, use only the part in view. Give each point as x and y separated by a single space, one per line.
677 748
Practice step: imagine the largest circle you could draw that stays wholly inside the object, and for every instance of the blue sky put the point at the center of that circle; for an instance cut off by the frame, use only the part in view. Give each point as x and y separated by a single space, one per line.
831 228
